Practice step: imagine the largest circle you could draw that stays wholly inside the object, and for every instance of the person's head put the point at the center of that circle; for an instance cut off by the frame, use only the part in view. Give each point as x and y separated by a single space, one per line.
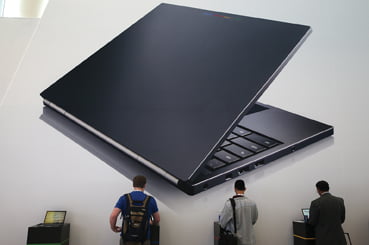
322 186
139 181
239 186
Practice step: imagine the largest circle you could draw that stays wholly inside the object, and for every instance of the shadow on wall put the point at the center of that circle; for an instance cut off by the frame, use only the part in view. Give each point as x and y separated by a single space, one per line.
159 187
113 157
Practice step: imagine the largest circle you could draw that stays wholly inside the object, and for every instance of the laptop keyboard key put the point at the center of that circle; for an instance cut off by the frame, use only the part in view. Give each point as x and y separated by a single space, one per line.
238 151
214 164
241 132
231 136
249 145
264 141
226 156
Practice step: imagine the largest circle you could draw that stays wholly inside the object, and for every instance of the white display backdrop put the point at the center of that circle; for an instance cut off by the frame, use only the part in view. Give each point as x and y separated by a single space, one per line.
49 163
15 36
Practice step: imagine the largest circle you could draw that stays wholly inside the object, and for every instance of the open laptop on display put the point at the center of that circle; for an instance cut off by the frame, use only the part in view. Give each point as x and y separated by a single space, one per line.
54 218
178 92
305 213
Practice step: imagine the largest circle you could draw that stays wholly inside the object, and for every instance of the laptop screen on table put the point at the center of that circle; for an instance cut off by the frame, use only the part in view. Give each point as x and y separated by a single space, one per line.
55 217
305 213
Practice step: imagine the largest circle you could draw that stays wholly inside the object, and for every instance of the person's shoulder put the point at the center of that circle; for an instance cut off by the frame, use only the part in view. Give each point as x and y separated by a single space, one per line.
247 199
152 199
316 201
228 202
122 197
153 206
121 202
330 196
338 198
251 202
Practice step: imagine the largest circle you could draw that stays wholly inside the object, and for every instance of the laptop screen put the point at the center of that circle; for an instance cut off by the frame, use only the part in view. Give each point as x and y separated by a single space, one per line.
305 213
55 217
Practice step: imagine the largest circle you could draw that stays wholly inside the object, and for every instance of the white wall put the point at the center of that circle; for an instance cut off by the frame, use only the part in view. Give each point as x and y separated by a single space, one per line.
15 35
49 163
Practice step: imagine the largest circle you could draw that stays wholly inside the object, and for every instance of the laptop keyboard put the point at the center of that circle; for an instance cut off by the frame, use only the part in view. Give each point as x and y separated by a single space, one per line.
240 144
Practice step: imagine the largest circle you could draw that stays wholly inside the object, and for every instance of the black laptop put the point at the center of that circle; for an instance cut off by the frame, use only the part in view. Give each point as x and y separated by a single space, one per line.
178 92
54 218
305 214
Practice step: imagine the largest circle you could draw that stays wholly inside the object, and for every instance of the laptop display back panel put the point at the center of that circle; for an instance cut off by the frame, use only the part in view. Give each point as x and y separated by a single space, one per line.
174 83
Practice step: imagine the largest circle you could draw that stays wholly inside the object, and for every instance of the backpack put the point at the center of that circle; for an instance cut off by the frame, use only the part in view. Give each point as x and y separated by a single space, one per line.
136 220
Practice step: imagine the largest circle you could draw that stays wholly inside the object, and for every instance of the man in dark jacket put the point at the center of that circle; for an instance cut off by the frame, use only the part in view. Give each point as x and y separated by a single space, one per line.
327 213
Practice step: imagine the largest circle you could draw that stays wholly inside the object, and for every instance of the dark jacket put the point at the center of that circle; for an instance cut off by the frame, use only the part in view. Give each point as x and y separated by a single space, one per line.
327 213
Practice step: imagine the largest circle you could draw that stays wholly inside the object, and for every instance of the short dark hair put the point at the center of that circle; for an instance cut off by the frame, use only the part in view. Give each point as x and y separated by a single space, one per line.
240 185
139 181
322 185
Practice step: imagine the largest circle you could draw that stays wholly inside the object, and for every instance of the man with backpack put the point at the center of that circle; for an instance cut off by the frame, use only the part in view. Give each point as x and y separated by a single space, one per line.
138 211
239 215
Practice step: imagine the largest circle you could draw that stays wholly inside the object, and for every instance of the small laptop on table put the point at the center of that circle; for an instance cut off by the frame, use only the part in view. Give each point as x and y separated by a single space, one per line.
305 214
54 218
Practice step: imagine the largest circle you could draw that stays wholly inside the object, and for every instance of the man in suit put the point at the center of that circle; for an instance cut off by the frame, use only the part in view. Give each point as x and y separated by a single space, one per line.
327 213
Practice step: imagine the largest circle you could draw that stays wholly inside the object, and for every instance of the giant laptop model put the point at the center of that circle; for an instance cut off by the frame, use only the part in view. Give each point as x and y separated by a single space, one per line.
178 92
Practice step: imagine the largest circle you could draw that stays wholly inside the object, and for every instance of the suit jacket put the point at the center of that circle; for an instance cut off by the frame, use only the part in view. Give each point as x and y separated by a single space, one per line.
327 213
